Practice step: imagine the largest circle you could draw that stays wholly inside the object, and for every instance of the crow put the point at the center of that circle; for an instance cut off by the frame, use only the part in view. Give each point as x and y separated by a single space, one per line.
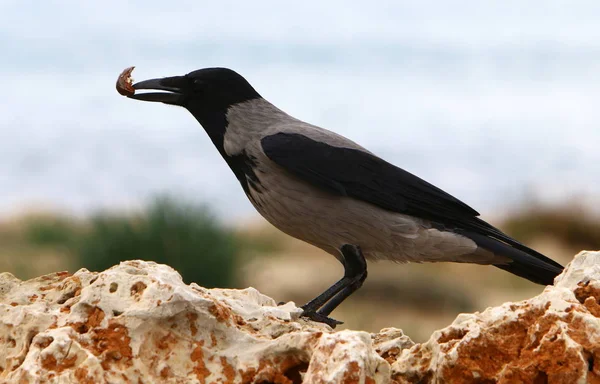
326 190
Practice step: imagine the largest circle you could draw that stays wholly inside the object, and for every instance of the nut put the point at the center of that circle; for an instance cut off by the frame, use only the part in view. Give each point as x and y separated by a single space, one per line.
125 82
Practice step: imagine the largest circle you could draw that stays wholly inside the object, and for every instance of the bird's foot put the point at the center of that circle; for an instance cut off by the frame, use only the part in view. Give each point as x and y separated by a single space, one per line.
316 316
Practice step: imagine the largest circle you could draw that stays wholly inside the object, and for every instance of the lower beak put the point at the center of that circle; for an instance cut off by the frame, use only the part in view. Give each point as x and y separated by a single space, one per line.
171 87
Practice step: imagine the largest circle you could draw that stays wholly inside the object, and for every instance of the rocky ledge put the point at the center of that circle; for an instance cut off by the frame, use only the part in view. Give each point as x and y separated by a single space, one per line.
139 323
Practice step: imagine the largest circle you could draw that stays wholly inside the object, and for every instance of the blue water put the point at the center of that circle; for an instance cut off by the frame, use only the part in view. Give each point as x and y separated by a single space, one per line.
492 101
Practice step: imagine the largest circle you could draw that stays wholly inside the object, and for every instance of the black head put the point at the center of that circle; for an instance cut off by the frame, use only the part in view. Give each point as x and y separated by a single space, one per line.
204 89
207 93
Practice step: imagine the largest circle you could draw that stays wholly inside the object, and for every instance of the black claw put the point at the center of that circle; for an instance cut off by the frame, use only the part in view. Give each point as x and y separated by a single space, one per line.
315 316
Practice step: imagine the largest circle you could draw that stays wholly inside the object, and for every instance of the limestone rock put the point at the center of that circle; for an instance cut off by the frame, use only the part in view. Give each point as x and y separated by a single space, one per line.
139 323
551 338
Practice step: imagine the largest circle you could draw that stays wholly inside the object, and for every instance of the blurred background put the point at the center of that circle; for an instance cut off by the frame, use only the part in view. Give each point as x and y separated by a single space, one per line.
496 102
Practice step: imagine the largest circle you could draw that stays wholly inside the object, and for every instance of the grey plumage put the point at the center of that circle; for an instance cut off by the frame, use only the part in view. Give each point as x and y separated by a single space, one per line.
328 221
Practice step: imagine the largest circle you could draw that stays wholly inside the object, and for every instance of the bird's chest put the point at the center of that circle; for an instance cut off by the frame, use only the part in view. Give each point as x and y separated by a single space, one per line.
294 207
277 195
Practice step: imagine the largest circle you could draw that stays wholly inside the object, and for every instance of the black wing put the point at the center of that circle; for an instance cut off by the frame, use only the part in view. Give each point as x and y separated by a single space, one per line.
361 175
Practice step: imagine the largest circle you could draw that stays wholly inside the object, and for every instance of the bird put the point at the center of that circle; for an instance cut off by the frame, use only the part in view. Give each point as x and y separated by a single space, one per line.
326 190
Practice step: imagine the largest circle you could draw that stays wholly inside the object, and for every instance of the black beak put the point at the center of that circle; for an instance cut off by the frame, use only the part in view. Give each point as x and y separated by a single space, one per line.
172 87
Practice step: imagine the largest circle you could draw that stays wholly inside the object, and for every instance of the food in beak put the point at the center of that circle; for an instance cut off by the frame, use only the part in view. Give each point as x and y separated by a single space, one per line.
125 82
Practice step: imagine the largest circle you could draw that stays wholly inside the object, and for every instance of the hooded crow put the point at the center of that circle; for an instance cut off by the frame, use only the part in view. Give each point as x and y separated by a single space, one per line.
326 190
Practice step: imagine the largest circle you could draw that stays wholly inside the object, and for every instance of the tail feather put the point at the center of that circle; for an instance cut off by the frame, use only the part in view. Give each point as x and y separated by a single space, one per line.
525 263
538 276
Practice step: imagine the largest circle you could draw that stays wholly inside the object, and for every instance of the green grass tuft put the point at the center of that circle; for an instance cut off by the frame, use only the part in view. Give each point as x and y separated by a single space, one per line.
182 235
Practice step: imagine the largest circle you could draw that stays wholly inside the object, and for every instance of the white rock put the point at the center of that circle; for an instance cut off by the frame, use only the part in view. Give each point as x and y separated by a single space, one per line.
551 338
139 323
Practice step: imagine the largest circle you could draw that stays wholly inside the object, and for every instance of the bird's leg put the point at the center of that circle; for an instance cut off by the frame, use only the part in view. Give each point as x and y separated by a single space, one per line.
355 272
341 296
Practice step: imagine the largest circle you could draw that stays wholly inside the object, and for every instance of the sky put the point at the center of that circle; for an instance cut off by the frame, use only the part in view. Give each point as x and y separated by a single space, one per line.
492 101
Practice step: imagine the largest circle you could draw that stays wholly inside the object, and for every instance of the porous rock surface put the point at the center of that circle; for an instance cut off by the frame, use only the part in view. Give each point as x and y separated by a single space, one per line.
551 338
139 323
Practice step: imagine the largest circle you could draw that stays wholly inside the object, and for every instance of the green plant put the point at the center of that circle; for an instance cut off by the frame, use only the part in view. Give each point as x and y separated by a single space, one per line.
182 235
49 230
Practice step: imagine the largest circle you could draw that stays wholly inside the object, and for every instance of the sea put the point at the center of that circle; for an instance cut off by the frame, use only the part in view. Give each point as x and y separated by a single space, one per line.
496 102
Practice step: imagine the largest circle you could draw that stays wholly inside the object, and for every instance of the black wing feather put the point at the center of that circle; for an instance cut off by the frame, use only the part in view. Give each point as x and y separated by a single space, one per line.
364 176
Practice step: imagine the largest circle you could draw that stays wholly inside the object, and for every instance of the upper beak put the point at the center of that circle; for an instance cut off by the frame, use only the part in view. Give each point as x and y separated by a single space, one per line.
172 87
